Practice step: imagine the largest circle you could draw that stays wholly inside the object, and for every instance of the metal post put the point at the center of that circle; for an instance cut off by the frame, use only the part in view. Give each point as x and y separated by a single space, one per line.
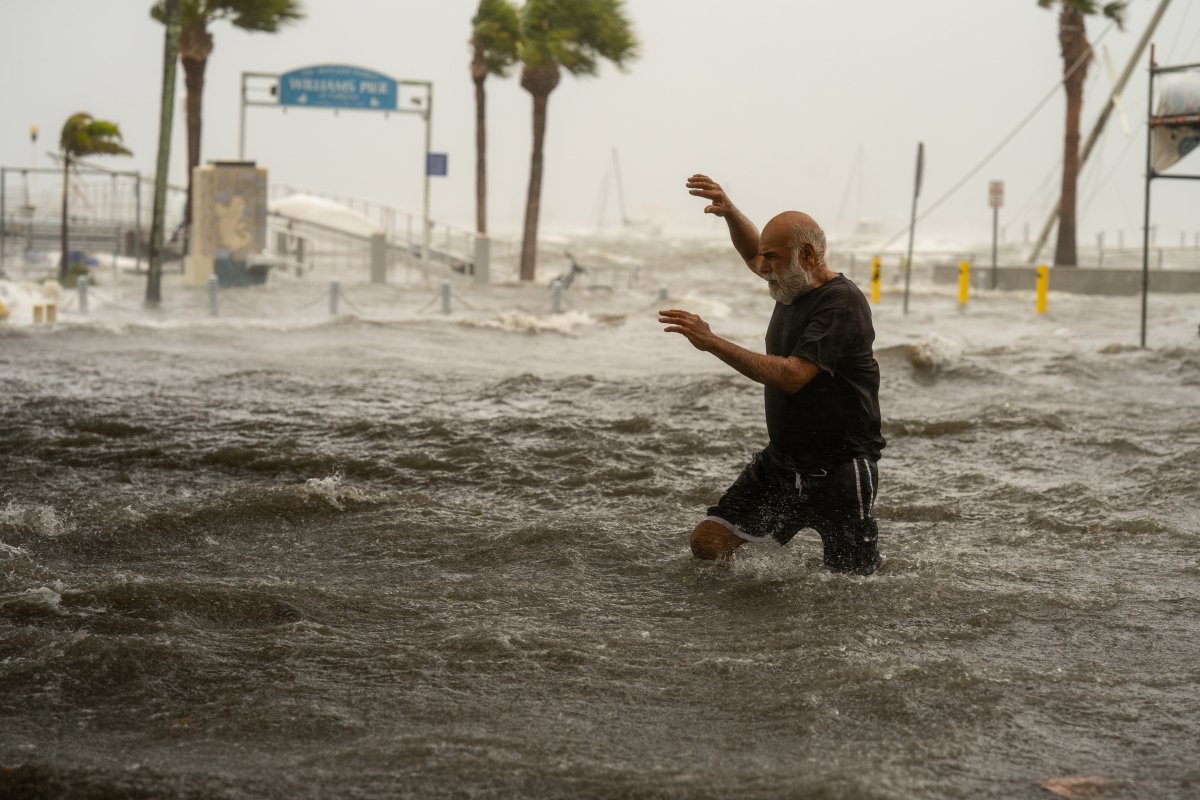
82 285
1146 206
4 219
995 231
213 301
425 202
242 123
137 247
912 224
445 297
334 288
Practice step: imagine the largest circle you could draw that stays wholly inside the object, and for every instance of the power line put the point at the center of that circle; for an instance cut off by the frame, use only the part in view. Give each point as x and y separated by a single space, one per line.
1087 54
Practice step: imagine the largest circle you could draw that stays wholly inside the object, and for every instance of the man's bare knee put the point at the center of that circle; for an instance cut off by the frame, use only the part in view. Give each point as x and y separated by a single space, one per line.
712 541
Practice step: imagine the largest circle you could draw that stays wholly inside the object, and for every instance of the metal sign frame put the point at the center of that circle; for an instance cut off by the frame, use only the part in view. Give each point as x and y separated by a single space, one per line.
1153 122
262 89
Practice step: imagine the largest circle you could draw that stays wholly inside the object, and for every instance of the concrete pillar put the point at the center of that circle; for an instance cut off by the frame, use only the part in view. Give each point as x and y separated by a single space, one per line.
483 253
378 258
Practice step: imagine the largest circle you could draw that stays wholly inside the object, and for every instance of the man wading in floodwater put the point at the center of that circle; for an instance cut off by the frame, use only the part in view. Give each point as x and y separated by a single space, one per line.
822 398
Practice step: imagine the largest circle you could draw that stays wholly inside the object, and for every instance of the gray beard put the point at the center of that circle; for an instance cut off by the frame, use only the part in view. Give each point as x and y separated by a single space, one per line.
791 284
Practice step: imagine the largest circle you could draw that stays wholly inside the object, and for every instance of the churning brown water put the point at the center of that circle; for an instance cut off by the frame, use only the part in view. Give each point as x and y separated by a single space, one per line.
406 554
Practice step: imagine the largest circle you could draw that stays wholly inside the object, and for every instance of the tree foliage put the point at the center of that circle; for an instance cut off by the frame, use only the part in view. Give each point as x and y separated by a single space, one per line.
83 135
495 38
265 16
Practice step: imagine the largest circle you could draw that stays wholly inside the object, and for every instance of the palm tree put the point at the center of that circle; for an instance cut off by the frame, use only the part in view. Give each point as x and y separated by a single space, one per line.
495 31
196 45
83 136
165 120
557 35
1076 55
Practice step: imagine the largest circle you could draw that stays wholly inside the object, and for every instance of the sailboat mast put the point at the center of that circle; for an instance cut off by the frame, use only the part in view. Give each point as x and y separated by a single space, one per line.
620 187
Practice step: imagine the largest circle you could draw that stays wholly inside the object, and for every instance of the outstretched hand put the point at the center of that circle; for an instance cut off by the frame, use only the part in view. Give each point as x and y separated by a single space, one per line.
690 325
704 186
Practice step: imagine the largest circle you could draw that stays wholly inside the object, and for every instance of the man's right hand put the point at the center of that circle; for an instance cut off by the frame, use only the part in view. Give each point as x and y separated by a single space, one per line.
704 186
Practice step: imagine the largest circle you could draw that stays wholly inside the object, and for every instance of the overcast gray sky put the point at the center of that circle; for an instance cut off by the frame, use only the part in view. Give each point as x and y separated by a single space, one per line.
810 104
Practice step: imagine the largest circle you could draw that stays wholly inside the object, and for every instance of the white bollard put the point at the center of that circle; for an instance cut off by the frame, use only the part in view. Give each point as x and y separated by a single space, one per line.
334 291
556 296
82 286
445 297
213 302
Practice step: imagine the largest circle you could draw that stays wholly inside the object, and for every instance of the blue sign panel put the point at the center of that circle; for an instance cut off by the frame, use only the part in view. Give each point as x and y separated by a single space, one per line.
436 163
337 86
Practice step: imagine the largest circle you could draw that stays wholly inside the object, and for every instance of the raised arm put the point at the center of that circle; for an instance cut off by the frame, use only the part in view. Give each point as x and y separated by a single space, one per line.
742 232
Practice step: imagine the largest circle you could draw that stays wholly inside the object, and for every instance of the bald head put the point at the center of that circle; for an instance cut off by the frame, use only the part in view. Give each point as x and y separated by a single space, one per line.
800 234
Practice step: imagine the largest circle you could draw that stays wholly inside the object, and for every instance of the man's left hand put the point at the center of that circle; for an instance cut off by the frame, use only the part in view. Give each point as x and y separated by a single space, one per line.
690 325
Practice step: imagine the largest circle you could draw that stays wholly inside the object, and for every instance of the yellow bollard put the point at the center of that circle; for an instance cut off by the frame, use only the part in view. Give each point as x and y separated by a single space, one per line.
964 282
876 279
37 314
51 313
1043 283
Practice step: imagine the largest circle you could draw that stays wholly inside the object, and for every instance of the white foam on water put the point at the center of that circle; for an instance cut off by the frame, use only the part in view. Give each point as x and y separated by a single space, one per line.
19 298
43 596
331 490
936 353
521 322
31 518
12 551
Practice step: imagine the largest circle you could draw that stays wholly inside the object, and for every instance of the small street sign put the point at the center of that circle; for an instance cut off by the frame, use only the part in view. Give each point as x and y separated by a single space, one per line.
996 194
436 164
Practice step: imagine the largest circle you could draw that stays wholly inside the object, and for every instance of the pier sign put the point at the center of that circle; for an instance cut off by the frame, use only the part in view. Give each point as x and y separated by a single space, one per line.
337 86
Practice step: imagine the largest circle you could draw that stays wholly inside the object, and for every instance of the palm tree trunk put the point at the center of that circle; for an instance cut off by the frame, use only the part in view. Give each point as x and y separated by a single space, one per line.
62 266
193 72
1072 37
534 200
480 157
166 117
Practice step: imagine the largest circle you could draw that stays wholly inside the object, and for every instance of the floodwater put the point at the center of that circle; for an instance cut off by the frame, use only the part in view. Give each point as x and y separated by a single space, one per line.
400 553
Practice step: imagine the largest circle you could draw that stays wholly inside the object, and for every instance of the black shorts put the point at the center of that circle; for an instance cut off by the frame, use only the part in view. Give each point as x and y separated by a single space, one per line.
771 500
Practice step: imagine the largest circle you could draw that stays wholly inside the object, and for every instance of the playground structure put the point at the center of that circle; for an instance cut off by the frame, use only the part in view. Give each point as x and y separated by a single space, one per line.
110 214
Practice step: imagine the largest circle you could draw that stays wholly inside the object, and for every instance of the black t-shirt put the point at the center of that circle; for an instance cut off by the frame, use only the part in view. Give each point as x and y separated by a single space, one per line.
835 417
